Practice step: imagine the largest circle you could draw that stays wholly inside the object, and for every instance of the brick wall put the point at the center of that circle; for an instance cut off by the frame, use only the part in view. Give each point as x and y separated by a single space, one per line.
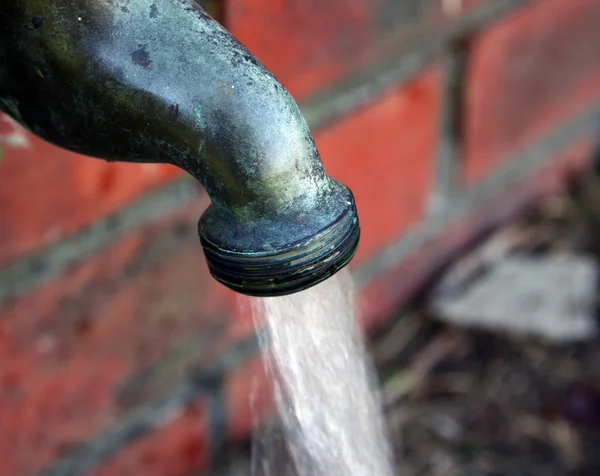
119 354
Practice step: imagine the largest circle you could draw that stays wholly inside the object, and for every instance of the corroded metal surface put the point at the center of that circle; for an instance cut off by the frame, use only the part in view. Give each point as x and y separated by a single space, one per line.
161 81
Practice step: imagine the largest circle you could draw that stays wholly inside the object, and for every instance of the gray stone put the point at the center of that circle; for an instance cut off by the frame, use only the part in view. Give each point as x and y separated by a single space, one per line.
549 297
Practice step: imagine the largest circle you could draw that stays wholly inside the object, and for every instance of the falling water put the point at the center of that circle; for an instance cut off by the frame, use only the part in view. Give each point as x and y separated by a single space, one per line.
329 410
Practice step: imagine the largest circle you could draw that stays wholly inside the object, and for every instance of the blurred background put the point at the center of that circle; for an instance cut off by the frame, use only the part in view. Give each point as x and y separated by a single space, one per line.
468 132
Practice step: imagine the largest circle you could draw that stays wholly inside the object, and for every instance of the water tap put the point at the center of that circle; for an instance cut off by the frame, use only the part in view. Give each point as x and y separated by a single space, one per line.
162 81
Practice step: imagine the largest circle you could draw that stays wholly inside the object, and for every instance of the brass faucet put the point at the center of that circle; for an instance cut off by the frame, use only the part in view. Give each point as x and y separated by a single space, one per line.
162 81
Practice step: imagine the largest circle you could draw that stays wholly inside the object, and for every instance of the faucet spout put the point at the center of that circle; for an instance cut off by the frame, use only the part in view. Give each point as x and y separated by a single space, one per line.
162 81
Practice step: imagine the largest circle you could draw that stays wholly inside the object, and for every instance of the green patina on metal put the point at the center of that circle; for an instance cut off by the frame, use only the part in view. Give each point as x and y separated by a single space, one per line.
161 81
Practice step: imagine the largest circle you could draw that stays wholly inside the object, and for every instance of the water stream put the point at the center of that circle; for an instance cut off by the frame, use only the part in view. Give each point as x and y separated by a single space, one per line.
329 410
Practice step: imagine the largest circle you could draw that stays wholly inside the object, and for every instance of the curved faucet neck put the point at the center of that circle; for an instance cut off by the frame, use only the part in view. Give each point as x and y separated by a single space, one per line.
169 84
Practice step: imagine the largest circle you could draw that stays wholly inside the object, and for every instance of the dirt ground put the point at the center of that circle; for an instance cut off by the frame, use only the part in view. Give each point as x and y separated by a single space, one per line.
465 402
475 403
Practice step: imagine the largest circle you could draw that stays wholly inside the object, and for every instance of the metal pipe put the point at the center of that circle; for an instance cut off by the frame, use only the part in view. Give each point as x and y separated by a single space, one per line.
161 81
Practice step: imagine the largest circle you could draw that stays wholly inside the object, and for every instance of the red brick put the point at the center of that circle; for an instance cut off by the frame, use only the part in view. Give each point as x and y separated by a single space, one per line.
47 192
306 44
70 347
183 444
528 73
384 152
311 44
179 448
248 398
